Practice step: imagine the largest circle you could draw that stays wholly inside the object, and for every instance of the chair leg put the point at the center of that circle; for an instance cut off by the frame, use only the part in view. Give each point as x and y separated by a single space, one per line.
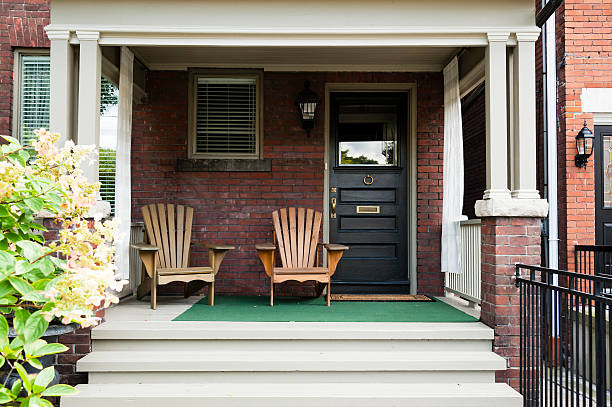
211 294
186 291
329 292
154 293
271 291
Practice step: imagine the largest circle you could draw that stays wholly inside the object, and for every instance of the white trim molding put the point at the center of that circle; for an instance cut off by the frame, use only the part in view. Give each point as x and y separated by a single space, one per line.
528 208
596 100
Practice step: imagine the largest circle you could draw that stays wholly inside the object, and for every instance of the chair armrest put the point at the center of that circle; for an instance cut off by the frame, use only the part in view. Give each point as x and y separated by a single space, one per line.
335 247
219 247
334 254
265 247
145 247
265 251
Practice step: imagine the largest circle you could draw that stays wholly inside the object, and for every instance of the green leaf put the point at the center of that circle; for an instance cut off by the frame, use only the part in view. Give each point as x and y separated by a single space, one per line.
20 285
7 260
4 328
31 348
43 379
4 210
50 349
35 363
30 250
34 203
35 326
59 390
45 403
11 140
22 267
12 237
45 265
6 289
35 401
25 155
24 376
21 316
4 397
16 388
35 296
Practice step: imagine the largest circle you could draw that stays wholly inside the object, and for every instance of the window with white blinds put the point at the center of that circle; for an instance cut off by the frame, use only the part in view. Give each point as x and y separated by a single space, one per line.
226 117
33 96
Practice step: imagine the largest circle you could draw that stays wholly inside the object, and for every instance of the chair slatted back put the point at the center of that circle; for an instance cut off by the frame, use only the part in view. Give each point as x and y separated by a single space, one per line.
297 235
169 227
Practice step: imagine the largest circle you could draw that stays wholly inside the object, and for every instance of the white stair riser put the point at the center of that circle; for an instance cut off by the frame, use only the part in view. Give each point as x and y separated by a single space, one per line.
229 401
474 376
155 345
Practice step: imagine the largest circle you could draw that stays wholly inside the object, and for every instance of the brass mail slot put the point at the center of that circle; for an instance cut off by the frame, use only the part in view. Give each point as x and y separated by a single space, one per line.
368 209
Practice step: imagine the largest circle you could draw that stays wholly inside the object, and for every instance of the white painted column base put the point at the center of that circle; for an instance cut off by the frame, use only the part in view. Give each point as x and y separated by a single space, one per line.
502 193
526 194
528 208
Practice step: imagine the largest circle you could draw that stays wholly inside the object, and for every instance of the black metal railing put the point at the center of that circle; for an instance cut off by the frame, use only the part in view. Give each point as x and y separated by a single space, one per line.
565 347
593 259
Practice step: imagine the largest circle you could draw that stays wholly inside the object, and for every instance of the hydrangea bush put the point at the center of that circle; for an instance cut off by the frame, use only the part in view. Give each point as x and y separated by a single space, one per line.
66 280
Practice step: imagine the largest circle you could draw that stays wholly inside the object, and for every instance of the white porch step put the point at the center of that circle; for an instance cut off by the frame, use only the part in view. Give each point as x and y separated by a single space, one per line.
364 394
298 336
322 365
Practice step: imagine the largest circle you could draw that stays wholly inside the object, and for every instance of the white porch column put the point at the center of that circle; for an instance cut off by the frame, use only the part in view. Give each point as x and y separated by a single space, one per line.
89 96
123 188
496 112
60 93
524 166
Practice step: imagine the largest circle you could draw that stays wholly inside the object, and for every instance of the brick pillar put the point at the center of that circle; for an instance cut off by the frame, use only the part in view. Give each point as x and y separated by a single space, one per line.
505 242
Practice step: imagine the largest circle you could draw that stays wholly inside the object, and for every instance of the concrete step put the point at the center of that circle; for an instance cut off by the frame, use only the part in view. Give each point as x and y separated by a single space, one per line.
227 336
365 394
321 366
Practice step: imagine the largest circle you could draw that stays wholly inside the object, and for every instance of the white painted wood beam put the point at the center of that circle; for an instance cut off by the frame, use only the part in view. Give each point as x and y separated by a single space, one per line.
90 62
61 84
524 166
496 112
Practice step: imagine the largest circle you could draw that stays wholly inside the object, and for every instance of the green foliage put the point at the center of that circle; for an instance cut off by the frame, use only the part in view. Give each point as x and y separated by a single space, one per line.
26 271
362 159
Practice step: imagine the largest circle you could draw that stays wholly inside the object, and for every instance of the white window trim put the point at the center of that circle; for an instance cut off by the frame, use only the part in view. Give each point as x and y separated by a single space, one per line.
205 73
18 54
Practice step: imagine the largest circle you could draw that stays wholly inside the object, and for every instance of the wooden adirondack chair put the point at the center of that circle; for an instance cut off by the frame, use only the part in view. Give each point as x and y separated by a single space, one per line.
166 258
297 235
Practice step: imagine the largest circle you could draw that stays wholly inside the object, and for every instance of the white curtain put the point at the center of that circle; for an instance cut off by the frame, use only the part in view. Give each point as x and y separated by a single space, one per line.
452 203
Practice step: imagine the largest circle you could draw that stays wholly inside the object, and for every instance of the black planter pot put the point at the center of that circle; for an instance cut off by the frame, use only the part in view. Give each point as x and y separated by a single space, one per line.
51 336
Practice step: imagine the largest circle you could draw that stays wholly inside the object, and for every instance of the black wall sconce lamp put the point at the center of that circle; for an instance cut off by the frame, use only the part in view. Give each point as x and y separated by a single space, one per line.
307 102
584 146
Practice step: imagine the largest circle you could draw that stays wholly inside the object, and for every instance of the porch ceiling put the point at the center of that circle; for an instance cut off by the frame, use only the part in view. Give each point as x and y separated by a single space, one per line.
298 58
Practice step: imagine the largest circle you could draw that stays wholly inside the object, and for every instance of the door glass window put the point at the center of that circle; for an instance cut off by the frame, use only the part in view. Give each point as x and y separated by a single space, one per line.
367 135
607 168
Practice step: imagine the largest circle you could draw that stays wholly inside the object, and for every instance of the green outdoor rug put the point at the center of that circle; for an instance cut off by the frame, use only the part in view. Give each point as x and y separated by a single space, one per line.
257 309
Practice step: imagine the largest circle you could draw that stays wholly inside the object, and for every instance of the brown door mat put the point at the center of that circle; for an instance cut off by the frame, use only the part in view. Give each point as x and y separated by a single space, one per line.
380 297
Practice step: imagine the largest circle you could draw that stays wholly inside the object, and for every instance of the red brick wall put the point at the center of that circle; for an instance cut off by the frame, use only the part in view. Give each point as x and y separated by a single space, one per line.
235 207
505 242
21 25
473 116
585 53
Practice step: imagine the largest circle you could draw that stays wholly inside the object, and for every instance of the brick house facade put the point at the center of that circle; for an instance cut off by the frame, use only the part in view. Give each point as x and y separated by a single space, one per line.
235 206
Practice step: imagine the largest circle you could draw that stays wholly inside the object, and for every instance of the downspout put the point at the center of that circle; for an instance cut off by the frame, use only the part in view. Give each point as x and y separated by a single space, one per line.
549 92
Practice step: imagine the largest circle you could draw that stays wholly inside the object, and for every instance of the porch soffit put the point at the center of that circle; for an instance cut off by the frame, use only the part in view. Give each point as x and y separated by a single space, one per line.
299 58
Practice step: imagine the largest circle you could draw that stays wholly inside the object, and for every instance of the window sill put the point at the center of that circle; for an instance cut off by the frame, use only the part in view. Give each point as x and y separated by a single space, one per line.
225 165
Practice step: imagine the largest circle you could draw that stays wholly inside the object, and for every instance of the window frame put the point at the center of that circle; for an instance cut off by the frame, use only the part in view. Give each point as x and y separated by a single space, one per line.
18 55
194 75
